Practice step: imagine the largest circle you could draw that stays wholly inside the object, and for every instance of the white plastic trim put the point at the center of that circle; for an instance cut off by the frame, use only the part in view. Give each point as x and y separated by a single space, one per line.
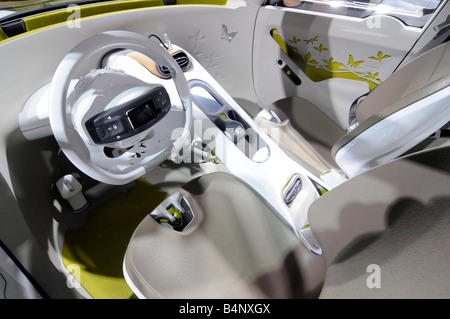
33 120
395 134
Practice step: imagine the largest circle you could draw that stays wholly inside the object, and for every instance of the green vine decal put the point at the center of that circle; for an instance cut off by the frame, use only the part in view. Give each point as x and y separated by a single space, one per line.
334 66
329 66
373 76
309 60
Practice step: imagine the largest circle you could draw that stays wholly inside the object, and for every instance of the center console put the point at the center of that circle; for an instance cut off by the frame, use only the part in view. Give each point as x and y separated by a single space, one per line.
223 128
220 232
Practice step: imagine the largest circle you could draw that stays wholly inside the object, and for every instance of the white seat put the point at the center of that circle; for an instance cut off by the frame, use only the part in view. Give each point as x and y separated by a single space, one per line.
384 233
235 247
401 112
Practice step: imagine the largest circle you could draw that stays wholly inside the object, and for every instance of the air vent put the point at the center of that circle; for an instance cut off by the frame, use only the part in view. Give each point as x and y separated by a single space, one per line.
182 60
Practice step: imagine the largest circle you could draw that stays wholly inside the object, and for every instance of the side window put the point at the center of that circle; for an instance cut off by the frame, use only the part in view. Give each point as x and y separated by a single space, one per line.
415 13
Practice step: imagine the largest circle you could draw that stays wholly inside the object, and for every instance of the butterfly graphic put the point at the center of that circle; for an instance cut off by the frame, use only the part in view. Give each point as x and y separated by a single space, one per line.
353 63
227 36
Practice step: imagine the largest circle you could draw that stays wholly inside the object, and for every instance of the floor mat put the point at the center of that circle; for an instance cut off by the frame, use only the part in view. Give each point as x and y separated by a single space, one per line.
98 249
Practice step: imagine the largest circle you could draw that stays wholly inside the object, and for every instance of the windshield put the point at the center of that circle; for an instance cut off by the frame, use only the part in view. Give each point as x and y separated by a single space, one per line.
412 12
12 9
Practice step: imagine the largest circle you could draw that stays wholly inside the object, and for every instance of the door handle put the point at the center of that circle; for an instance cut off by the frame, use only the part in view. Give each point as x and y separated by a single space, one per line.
443 25
442 28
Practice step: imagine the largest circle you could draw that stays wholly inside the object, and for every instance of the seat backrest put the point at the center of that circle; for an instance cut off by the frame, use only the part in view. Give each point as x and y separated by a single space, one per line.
401 112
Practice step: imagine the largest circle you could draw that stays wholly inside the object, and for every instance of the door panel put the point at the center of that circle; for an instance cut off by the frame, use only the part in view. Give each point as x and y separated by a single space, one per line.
337 58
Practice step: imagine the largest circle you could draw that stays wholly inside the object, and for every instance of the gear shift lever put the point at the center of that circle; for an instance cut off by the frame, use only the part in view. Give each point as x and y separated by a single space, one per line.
174 211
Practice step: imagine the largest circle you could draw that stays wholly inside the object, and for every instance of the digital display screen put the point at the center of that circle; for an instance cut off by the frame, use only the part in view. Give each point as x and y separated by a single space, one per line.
142 114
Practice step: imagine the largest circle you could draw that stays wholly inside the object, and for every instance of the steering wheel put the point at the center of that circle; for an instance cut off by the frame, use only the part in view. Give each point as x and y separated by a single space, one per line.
90 157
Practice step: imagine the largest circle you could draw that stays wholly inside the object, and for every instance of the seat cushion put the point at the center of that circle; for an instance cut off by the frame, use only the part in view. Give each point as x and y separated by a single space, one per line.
235 247
385 233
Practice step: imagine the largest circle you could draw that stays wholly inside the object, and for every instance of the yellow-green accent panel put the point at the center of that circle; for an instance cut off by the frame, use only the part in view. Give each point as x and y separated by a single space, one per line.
327 67
50 19
3 36
94 253
61 16
212 2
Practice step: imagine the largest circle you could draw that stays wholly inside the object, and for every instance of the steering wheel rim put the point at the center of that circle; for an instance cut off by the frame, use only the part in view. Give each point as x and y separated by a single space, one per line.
89 54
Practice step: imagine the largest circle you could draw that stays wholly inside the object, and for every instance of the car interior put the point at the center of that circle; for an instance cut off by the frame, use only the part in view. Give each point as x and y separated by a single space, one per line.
225 149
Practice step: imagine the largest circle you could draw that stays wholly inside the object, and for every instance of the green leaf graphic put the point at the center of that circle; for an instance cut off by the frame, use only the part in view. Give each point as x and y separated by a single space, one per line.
295 40
321 48
380 56
312 40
